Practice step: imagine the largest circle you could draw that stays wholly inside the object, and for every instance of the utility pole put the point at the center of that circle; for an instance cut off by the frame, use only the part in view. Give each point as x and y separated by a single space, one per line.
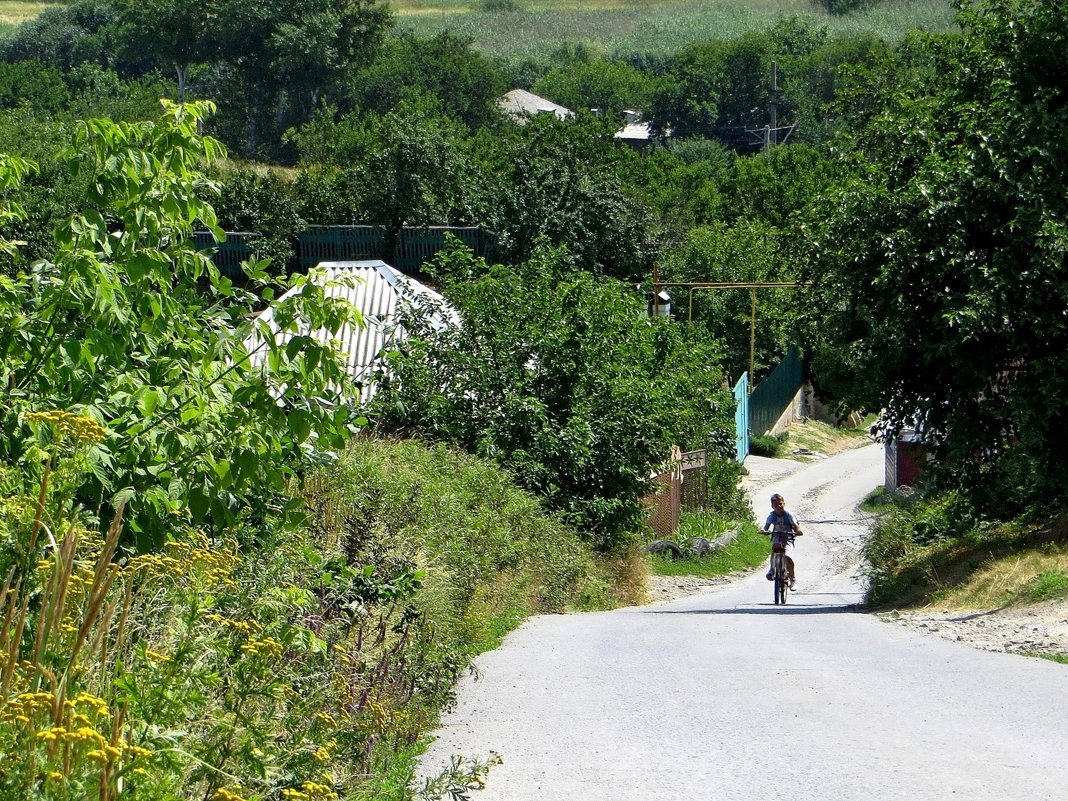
773 129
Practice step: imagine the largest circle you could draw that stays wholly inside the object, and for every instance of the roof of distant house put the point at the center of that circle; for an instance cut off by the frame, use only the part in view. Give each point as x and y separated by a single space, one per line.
637 131
521 104
379 292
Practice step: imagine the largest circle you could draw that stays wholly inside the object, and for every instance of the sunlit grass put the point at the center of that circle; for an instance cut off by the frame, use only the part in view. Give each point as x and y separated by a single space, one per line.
1030 576
1061 658
812 435
14 12
749 549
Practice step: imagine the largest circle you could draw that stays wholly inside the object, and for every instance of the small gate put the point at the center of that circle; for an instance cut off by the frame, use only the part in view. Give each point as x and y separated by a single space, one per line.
741 418
694 492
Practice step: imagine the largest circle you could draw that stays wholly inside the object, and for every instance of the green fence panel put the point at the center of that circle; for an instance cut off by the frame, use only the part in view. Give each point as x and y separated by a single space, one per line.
772 395
227 255
321 243
416 246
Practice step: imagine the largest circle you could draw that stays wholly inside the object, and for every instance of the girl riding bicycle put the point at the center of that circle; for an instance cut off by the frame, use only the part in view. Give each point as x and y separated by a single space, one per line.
783 527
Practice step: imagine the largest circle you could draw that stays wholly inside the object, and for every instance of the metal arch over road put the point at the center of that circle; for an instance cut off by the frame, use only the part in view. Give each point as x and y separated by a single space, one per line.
713 696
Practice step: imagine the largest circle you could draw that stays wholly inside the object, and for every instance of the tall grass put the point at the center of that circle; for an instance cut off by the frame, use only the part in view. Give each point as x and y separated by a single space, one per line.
654 28
305 665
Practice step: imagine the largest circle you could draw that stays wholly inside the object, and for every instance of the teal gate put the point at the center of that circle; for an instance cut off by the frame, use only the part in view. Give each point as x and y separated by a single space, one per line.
741 418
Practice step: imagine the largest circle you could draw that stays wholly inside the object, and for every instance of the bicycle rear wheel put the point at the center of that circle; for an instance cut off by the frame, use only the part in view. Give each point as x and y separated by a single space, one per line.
778 586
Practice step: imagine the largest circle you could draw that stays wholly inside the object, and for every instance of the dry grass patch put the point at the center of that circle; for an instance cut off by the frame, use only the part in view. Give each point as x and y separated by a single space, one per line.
824 438
1028 577
15 12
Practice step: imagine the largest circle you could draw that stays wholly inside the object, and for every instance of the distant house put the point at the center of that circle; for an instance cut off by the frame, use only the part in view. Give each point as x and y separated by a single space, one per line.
640 134
521 105
379 292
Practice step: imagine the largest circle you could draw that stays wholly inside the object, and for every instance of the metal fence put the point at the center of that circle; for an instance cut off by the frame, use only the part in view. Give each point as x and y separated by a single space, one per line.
340 243
771 396
229 254
415 245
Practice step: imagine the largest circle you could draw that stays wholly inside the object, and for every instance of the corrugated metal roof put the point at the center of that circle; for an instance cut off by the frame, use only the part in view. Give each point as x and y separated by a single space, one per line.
378 292
520 104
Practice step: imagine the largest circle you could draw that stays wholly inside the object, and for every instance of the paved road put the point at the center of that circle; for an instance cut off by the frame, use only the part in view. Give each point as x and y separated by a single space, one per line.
724 696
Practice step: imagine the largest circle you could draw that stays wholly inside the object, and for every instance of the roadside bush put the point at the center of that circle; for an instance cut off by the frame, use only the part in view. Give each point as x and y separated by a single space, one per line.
460 520
770 445
919 542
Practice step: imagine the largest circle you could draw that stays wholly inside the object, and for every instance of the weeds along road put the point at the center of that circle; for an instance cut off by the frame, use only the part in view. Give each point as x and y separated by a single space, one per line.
725 696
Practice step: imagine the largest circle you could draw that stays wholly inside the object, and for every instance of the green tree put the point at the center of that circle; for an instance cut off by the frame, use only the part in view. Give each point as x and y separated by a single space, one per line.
282 59
609 86
560 377
745 251
207 413
182 33
38 86
445 67
565 181
940 265
64 36
812 80
772 186
688 96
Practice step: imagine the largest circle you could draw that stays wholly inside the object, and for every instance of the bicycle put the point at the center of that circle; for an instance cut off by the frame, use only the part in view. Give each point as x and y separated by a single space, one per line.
780 578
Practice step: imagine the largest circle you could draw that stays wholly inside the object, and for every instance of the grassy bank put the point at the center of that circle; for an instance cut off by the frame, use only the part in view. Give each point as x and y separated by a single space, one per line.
932 552
745 551
271 663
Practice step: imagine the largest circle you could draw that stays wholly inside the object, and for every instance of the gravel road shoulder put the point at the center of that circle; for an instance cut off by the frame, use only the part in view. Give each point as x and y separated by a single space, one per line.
1036 629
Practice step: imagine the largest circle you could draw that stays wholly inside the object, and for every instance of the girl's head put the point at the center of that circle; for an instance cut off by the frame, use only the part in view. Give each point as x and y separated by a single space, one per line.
777 501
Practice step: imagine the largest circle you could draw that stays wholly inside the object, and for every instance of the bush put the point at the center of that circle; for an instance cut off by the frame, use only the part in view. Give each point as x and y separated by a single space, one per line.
262 202
307 666
499 6
770 446
841 7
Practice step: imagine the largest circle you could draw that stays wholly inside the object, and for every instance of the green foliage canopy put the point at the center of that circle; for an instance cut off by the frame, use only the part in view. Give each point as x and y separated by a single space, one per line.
941 262
562 378
207 413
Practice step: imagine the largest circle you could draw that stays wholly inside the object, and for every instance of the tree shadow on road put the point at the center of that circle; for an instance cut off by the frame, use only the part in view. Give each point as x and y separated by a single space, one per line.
767 609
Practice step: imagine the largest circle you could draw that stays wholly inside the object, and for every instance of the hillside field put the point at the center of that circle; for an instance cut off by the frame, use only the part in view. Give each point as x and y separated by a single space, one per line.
617 27
656 27
12 12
